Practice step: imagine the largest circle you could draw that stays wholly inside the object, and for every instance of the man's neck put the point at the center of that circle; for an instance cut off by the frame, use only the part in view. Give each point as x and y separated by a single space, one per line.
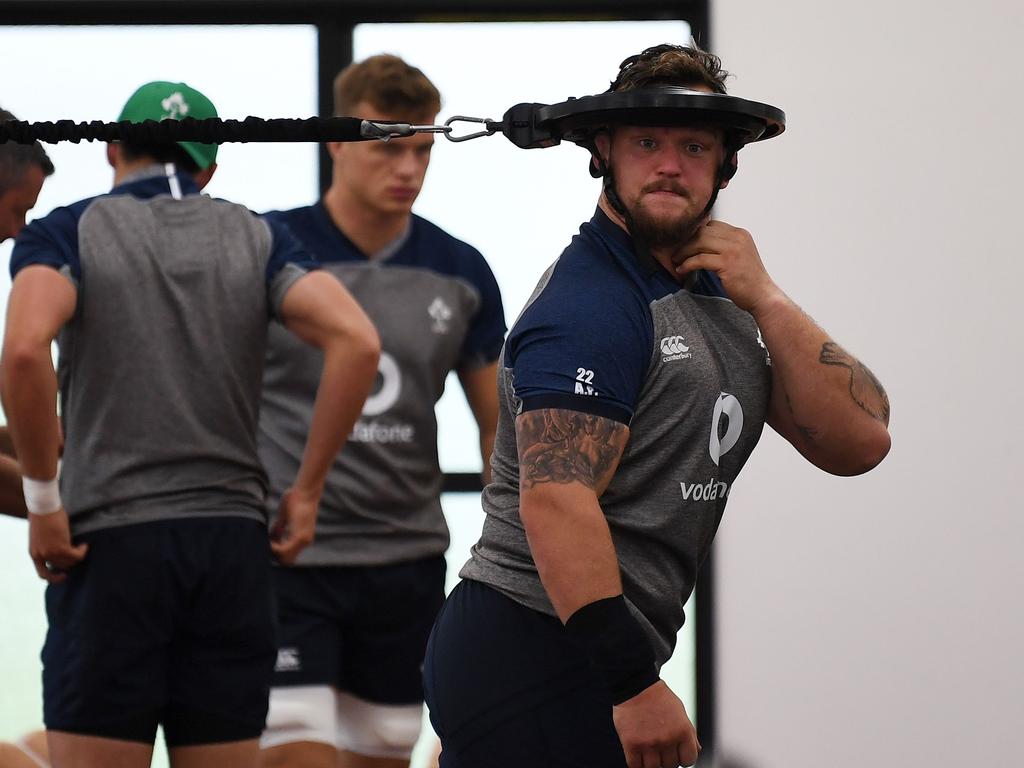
128 168
369 230
662 255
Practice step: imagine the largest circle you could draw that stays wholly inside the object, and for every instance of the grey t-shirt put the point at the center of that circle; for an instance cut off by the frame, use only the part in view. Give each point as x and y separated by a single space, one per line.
160 366
437 308
610 334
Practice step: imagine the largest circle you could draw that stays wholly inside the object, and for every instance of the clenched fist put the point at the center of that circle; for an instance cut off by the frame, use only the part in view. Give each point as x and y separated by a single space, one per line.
655 730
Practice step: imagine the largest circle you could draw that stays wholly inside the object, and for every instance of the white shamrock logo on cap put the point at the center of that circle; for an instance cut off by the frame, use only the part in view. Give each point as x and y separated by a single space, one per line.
175 106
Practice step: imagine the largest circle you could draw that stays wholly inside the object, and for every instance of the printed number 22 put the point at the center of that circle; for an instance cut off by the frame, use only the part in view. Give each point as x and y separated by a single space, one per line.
584 380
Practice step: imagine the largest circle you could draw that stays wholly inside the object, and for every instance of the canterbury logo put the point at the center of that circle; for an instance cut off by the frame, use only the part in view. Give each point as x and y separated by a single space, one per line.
673 345
288 660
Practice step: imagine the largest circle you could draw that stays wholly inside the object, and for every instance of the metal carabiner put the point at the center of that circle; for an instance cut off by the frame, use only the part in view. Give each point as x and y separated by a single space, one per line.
491 127
387 131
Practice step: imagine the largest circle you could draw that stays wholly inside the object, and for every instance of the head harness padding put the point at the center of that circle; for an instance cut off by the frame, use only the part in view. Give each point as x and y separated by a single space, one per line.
741 121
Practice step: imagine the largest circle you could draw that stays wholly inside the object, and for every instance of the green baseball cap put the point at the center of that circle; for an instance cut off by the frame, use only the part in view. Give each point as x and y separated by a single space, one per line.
162 100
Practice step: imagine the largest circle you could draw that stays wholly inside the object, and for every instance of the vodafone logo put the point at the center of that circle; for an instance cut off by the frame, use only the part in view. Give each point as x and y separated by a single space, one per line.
726 407
729 407
390 388
389 429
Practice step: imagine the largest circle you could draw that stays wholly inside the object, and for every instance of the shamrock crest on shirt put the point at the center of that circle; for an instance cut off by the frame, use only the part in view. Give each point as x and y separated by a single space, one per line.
441 314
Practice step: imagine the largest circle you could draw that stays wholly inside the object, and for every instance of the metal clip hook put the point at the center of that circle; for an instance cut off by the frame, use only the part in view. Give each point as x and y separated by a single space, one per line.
387 131
490 129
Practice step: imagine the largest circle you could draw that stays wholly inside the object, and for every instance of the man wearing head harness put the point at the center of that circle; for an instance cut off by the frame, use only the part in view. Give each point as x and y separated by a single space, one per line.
634 386
154 543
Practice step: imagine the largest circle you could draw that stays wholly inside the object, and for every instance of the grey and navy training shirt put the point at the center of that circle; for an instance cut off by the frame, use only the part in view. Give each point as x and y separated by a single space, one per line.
608 332
437 308
160 367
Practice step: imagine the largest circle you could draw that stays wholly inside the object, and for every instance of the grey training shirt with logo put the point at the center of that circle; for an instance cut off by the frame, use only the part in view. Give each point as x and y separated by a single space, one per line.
160 367
608 332
437 308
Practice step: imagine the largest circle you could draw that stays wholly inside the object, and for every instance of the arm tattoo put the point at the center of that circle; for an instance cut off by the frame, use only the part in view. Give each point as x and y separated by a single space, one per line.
865 389
560 446
809 433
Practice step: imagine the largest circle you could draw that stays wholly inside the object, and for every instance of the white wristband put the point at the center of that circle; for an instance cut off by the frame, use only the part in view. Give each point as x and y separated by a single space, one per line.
42 497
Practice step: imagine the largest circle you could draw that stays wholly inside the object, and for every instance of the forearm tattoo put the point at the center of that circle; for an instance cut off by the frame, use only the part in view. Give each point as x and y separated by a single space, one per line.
810 434
865 389
559 446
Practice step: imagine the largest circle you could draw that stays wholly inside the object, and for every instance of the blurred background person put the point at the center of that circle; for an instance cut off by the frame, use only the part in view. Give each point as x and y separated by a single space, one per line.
356 608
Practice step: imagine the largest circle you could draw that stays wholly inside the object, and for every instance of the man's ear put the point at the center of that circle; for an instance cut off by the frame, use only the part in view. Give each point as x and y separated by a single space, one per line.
599 154
202 178
113 154
734 165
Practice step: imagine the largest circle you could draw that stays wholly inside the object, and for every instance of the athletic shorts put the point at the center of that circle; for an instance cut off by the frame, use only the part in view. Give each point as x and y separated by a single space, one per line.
362 630
166 622
507 689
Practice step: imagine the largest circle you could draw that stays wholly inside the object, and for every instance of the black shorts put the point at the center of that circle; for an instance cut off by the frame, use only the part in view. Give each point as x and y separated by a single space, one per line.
507 689
166 622
362 630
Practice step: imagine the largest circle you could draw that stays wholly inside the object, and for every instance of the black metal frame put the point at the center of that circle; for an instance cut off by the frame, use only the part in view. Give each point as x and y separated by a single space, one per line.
335 21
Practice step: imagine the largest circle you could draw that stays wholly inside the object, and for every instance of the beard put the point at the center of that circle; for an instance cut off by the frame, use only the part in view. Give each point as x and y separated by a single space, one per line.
662 231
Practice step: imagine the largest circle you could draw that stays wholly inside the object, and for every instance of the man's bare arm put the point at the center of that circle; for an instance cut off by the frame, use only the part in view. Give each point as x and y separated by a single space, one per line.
824 401
319 310
12 499
41 302
6 443
566 460
481 387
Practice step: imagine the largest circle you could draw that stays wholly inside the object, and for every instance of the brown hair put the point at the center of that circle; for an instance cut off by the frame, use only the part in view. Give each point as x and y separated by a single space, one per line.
666 64
389 84
16 158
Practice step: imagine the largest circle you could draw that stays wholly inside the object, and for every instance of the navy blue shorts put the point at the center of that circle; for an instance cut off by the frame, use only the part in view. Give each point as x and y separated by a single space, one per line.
362 630
166 622
507 689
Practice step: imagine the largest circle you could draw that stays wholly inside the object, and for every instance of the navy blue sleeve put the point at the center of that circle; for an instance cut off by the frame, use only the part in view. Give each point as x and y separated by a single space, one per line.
51 241
285 249
583 345
486 333
289 261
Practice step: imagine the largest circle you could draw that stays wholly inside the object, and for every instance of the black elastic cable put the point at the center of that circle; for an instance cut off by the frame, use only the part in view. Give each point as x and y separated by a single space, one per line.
208 131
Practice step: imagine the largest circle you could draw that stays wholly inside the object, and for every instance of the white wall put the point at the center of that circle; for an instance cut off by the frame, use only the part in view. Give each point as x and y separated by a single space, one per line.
878 620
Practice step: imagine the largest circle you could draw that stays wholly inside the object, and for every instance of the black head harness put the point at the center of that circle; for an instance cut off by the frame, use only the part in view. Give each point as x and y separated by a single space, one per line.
581 120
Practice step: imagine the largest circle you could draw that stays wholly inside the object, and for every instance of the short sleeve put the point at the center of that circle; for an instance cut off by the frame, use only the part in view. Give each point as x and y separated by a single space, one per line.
486 332
289 260
51 241
584 345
